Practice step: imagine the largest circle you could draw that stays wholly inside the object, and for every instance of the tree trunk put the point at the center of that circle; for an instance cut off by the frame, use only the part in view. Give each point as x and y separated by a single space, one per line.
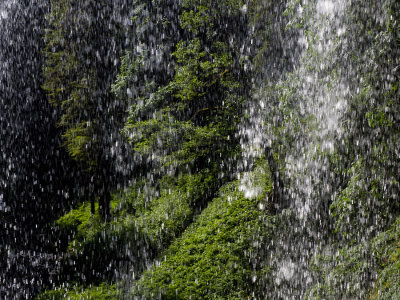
102 204
92 196
92 206
107 204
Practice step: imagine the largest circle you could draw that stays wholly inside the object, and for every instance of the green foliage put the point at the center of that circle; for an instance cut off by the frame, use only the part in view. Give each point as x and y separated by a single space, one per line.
167 216
212 257
140 76
77 139
80 225
362 199
104 292
190 119
77 74
220 248
343 273
387 249
363 168
186 94
80 66
146 218
198 70
365 263
196 21
76 220
66 80
205 17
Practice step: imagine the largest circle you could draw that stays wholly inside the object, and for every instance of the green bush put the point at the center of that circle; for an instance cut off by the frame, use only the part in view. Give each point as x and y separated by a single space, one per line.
367 270
146 218
212 259
387 248
104 292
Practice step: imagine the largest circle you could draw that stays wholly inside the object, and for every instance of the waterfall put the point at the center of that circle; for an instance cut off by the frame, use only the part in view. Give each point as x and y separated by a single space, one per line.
303 114
229 149
28 147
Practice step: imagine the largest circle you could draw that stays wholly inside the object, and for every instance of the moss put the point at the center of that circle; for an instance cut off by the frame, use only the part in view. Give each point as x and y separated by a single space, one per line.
343 273
387 248
146 218
212 258
80 224
105 292
367 270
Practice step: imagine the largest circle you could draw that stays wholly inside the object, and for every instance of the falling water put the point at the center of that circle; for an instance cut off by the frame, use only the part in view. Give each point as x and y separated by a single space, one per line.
314 115
311 103
34 186
301 113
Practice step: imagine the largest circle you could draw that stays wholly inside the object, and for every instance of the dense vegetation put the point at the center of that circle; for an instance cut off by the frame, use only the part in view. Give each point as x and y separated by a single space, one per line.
168 193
